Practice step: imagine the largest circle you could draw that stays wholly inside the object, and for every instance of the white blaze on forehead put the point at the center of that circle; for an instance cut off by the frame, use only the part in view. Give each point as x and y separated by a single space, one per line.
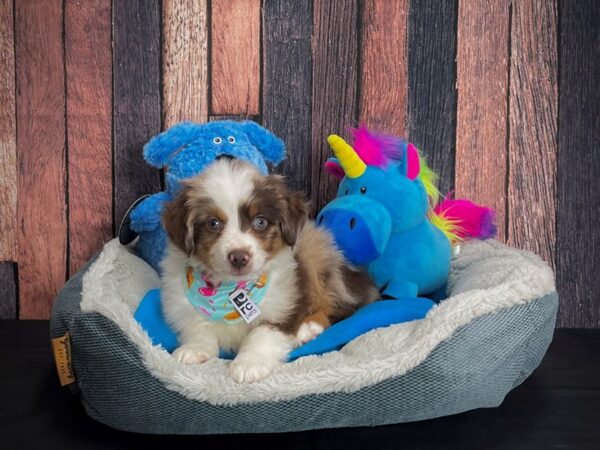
230 184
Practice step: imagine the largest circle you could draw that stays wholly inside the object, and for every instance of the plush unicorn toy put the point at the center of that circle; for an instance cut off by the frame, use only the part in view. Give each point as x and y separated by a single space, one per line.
384 217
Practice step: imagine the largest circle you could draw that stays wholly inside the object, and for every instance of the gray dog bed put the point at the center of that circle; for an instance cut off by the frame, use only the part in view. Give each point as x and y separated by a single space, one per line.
468 353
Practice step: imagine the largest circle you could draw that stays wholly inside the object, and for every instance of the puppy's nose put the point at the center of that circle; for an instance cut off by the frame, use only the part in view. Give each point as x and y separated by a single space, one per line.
239 258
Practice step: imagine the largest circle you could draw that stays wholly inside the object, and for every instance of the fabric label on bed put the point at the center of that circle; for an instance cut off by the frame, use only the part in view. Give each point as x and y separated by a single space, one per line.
62 357
229 302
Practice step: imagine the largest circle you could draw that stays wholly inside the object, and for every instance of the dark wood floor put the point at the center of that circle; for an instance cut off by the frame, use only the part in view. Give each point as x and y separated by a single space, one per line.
557 407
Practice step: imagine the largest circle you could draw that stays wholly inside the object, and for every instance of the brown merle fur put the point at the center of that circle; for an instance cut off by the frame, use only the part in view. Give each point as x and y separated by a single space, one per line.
330 290
184 220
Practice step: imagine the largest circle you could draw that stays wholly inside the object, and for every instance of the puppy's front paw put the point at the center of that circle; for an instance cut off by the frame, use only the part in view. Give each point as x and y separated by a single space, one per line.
308 331
249 368
191 354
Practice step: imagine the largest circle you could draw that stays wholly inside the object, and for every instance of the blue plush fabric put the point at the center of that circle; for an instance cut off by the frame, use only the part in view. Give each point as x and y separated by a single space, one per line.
380 314
149 315
185 150
376 315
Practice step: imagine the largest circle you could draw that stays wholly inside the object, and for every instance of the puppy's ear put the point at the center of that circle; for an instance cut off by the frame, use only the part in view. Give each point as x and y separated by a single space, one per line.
294 218
179 223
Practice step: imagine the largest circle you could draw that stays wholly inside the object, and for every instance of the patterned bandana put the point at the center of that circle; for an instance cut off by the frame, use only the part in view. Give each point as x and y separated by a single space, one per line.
212 300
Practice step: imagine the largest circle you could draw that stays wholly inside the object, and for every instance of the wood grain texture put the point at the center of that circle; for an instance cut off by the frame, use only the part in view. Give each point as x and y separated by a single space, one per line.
578 197
185 61
533 112
383 81
334 90
136 98
42 221
88 54
482 112
8 137
232 117
8 290
235 56
287 81
431 117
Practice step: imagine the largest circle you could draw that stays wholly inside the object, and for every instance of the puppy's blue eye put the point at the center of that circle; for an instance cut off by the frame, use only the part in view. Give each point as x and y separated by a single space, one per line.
214 224
259 223
231 139
217 140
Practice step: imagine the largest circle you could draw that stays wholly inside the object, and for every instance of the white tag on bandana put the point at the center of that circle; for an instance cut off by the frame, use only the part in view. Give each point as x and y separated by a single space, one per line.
246 307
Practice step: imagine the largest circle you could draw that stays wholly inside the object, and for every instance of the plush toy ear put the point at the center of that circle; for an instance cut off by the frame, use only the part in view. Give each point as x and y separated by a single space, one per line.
411 164
269 145
159 150
332 165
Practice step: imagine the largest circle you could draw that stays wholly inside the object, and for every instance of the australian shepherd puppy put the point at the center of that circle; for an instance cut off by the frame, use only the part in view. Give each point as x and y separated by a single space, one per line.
245 270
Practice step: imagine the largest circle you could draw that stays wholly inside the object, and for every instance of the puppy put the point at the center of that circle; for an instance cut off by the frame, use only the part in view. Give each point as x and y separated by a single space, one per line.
245 270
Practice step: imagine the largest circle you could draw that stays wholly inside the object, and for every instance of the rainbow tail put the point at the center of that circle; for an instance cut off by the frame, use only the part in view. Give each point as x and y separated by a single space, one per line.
465 219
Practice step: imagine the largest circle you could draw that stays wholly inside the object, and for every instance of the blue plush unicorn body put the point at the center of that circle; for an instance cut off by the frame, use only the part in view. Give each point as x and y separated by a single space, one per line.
384 217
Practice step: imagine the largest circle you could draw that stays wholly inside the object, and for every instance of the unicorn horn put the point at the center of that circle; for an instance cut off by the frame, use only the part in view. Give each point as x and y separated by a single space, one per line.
353 166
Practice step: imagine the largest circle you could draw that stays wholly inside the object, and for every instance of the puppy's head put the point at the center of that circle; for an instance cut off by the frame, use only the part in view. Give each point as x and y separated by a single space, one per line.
233 220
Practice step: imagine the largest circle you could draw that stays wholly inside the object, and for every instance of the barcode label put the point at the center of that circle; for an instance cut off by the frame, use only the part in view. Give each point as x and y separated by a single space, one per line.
246 307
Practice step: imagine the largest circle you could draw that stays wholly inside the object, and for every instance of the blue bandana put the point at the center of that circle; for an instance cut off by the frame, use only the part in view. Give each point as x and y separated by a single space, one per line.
212 300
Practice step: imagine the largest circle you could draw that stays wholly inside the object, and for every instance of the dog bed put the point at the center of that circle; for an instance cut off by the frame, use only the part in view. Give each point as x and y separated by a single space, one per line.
468 352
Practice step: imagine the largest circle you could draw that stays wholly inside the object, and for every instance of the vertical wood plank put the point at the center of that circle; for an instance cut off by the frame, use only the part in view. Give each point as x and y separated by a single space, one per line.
432 85
578 234
136 98
383 83
88 54
287 81
8 137
42 221
533 127
334 90
8 290
235 56
482 82
185 61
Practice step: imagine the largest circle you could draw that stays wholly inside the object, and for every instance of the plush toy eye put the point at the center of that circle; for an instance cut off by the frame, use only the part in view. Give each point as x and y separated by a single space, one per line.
259 223
214 224
363 190
231 139
346 191
217 140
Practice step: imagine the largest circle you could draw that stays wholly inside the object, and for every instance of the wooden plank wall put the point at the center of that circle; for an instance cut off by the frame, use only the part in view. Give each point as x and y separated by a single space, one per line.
482 60
334 87
41 149
501 97
8 165
89 127
431 116
136 98
578 164
287 82
185 61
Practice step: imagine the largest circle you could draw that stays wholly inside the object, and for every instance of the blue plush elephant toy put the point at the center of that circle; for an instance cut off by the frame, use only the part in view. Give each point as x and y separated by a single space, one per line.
185 150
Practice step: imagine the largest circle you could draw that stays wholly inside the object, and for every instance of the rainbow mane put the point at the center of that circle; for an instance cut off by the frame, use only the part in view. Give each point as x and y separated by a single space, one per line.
377 149
457 219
